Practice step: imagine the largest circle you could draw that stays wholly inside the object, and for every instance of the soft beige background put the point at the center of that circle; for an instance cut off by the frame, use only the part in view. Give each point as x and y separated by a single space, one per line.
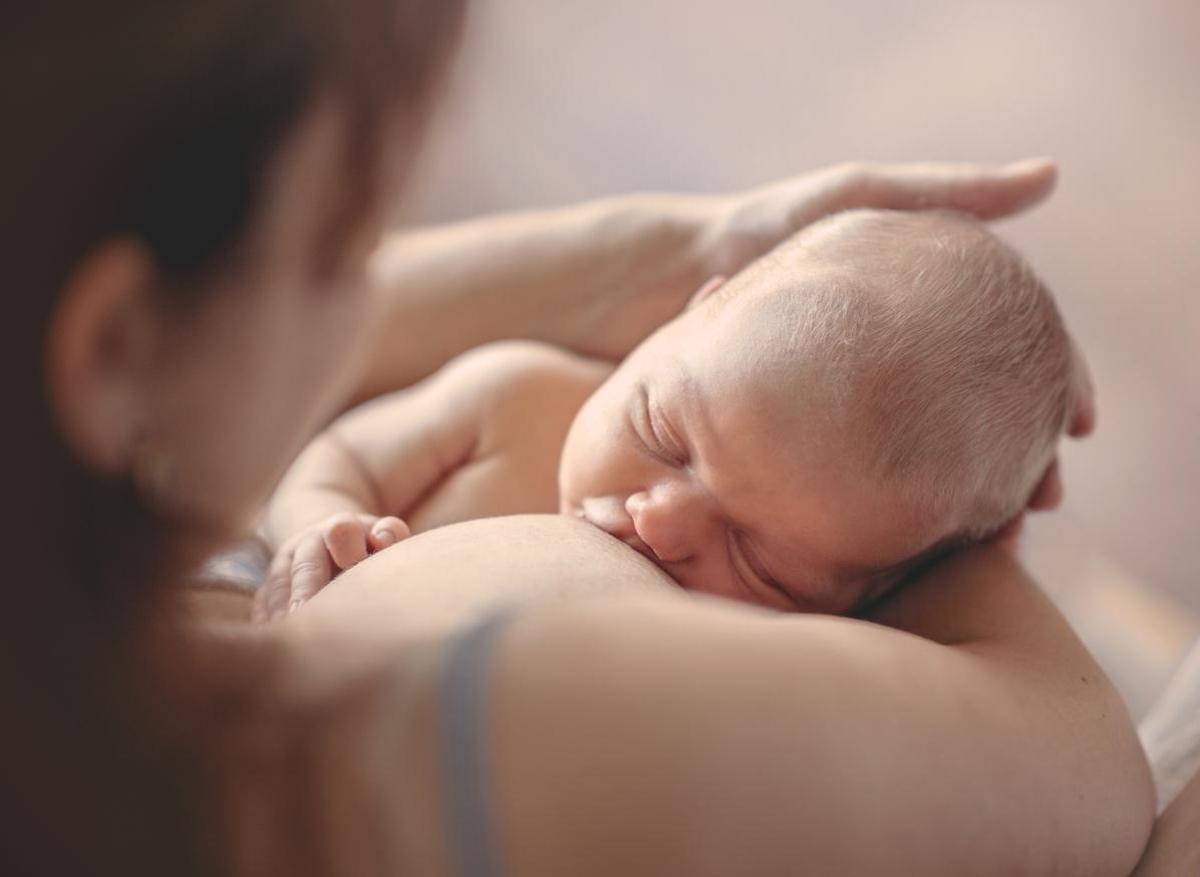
558 100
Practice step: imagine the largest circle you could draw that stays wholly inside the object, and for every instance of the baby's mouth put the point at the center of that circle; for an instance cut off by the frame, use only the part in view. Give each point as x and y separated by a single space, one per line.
611 517
635 542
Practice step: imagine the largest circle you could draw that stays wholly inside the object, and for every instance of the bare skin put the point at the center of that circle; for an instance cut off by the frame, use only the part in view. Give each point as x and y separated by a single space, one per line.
314 716
599 277
900 759
1174 847
715 449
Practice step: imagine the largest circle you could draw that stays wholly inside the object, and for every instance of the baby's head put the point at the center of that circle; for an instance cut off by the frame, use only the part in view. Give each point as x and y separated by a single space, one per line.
880 388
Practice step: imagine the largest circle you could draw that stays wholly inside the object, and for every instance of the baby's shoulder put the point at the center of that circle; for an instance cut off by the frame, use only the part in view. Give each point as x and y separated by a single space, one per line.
510 372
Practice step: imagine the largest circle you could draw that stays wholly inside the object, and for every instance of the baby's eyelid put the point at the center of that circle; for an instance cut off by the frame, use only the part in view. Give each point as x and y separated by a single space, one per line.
676 451
640 423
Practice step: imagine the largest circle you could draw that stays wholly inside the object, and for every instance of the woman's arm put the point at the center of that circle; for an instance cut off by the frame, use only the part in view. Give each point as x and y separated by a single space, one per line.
1174 848
600 276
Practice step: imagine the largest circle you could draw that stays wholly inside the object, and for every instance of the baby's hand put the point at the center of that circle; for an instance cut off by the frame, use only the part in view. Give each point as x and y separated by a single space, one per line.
311 559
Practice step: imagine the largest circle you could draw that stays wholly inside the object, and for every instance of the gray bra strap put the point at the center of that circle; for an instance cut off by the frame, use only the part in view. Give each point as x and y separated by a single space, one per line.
469 825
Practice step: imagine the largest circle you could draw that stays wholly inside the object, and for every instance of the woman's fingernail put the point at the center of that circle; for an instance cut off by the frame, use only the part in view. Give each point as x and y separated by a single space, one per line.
1029 165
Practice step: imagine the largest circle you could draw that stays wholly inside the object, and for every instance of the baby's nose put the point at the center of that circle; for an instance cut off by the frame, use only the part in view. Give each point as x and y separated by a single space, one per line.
668 523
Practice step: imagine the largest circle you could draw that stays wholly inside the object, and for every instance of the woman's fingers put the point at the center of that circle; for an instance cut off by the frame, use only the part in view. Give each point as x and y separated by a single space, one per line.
1083 402
311 569
987 191
388 531
751 223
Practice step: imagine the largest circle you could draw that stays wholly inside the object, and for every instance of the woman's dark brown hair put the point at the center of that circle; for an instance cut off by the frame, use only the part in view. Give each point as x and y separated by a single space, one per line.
156 120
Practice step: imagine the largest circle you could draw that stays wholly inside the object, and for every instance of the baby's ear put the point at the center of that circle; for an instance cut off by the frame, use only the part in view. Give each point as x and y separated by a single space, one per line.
702 294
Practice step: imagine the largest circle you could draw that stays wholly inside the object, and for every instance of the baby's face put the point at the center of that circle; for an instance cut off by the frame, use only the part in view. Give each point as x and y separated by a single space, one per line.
709 452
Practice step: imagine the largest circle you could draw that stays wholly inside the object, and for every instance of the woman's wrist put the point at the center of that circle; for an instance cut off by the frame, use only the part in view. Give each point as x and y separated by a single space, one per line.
600 276
649 253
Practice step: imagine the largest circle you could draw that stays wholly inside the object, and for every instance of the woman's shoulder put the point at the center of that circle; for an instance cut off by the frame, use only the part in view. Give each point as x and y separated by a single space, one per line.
319 737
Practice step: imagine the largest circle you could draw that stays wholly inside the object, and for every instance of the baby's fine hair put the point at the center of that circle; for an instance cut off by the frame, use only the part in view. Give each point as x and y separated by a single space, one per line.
946 354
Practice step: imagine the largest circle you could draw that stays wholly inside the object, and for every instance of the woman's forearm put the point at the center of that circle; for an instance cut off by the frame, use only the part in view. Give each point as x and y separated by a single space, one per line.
595 277
600 276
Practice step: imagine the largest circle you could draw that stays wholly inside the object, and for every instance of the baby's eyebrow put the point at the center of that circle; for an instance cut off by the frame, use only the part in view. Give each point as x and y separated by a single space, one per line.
697 409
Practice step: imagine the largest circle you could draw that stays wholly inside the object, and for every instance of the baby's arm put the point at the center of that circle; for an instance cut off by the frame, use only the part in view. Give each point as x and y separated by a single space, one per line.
380 458
407 453
339 501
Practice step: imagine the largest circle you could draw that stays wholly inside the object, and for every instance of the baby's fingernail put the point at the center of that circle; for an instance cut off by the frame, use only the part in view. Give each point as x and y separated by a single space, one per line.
294 605
385 538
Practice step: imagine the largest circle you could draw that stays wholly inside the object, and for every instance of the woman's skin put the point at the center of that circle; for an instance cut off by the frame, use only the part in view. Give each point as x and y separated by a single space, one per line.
1174 848
704 736
621 726
598 277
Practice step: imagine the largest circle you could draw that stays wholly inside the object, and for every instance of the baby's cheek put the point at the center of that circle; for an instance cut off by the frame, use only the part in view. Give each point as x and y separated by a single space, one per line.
858 597
572 464
592 465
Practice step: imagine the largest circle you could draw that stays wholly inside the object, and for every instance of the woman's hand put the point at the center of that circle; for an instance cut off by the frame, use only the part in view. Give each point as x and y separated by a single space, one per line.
746 225
312 558
675 243
599 277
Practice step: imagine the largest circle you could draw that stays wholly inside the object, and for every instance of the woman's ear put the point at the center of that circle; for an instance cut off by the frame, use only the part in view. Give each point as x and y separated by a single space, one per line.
701 294
99 350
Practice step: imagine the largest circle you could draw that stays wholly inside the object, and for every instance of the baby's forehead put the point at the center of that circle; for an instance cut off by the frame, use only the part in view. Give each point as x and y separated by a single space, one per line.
881 252
796 332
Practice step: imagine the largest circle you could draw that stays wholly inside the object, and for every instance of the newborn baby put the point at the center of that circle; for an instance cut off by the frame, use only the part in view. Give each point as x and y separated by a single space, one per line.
881 388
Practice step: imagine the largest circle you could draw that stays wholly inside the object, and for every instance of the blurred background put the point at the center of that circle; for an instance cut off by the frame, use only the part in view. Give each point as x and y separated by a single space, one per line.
559 101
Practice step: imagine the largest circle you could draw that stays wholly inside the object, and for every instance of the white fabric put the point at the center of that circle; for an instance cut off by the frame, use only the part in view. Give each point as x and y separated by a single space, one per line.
1171 732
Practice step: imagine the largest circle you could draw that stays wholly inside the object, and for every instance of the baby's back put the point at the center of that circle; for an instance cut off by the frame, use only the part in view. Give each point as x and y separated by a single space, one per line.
534 392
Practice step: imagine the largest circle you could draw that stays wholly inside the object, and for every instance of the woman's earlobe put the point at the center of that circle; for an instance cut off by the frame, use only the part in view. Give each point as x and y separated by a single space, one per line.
98 348
704 292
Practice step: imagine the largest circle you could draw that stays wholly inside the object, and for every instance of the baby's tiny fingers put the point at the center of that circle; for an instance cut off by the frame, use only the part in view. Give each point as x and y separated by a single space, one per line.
311 569
276 589
388 531
346 538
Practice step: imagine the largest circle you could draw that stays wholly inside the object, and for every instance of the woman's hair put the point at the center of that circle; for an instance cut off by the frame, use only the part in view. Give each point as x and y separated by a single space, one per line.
155 120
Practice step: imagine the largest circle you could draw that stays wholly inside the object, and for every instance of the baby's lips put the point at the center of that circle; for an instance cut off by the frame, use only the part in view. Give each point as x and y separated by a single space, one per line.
637 544
609 515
